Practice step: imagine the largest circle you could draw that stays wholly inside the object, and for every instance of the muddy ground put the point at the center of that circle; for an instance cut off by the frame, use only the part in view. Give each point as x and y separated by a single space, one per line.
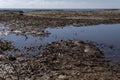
5 45
35 21
62 60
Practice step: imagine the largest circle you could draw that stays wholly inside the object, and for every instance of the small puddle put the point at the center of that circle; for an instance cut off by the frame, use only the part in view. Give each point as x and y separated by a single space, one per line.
106 37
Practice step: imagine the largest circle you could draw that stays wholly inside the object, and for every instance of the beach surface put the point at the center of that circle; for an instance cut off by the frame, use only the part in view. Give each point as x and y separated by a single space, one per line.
58 60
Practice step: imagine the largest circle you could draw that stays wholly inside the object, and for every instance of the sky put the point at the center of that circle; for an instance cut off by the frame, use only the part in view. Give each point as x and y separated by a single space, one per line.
59 4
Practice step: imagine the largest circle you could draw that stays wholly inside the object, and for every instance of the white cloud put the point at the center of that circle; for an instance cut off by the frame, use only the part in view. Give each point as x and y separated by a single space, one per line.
59 4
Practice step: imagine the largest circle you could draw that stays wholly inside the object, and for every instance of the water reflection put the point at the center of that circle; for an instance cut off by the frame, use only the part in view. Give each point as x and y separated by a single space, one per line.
4 30
106 37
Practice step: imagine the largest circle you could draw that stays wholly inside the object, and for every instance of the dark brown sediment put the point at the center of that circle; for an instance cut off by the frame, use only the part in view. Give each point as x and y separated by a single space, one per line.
35 21
5 45
62 60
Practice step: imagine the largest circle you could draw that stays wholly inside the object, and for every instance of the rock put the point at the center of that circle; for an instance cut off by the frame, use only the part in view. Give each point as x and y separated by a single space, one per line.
88 49
12 58
62 76
28 78
2 57
5 45
20 59
16 31
2 78
45 77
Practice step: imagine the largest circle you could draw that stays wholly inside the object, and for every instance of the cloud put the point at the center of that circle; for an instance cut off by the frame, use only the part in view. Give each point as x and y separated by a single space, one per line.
59 4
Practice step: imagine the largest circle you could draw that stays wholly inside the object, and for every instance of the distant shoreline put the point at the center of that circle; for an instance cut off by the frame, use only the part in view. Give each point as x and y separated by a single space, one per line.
17 19
30 9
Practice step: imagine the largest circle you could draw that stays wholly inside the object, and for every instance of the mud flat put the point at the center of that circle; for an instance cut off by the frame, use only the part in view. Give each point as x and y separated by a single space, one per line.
5 45
62 60
34 22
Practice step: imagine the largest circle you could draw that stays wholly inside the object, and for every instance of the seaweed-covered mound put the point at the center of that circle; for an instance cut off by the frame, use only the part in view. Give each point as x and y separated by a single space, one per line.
5 45
62 60
76 60
34 22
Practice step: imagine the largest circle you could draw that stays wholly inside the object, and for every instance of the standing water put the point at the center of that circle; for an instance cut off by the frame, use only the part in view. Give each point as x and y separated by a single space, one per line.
106 37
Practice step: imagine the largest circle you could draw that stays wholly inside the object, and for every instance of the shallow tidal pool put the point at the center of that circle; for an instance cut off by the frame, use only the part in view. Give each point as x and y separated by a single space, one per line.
106 37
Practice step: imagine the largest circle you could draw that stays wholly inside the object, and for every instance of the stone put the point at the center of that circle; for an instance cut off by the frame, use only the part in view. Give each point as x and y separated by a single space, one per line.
2 57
